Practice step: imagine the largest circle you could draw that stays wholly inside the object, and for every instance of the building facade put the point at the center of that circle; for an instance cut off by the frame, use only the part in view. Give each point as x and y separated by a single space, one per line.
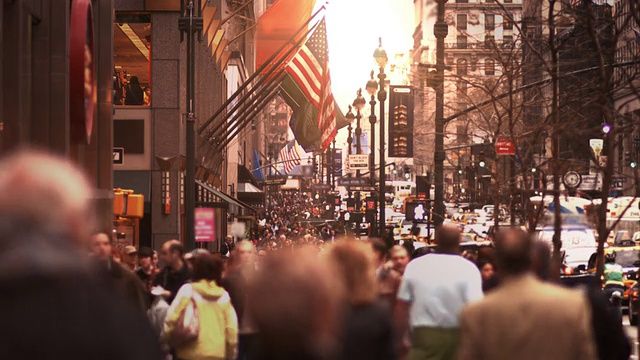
39 101
150 111
482 42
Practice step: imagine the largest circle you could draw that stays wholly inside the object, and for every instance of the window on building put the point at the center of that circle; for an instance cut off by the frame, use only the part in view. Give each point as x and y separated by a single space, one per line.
507 40
462 41
131 59
462 1
461 67
489 67
489 21
508 1
461 21
507 24
489 40
462 88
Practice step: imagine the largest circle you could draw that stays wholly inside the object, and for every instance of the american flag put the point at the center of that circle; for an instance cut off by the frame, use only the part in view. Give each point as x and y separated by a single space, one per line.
310 70
289 156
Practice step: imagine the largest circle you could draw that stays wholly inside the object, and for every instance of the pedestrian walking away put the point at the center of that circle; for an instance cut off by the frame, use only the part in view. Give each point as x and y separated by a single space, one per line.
525 318
434 289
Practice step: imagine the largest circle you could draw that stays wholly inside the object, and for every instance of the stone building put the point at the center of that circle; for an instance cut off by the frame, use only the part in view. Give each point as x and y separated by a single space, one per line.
42 68
482 41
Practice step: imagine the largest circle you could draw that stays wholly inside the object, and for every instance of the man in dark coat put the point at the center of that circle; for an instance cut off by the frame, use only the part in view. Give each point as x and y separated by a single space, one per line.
116 277
175 273
227 246
52 306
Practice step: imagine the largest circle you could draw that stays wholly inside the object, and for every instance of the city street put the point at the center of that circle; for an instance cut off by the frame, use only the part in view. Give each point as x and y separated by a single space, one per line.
314 180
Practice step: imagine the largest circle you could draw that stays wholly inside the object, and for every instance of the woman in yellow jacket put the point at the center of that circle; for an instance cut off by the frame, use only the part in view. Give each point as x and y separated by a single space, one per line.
218 334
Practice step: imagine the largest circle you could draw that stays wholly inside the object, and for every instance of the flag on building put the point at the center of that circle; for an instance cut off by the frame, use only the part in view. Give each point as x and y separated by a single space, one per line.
309 69
257 168
279 23
289 156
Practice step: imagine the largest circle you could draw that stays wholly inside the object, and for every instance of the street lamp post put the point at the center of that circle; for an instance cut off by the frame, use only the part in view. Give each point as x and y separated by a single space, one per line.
359 104
349 116
190 24
440 30
372 88
380 56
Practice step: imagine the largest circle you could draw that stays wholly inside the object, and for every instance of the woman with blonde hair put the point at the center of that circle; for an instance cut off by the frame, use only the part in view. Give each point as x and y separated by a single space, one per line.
367 331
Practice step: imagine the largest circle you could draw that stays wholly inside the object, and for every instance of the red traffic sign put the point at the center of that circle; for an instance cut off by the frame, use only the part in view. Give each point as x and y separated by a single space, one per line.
505 147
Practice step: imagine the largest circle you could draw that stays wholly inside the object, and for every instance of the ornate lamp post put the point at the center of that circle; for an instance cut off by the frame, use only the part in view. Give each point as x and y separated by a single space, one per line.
349 116
380 56
372 88
359 104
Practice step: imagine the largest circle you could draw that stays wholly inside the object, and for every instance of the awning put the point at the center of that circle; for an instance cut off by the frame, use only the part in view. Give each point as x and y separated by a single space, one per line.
248 188
205 194
245 176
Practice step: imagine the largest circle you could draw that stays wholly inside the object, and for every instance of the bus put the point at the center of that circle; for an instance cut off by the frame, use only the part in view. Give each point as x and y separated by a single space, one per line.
396 191
626 212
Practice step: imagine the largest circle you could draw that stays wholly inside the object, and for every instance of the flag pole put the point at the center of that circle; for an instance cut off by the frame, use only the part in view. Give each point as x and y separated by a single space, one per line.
257 72
242 102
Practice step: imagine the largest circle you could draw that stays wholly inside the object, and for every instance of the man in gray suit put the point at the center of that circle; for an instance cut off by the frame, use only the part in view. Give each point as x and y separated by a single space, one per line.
525 318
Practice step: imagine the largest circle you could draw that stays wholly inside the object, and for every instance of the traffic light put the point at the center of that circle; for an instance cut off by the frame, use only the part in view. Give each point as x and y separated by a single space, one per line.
629 160
407 172
481 160
460 172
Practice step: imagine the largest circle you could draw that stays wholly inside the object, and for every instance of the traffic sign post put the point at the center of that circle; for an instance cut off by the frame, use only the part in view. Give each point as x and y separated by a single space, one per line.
348 182
505 147
358 162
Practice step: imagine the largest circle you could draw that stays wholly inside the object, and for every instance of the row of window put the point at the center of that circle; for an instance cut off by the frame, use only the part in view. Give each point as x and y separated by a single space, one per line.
622 11
489 41
462 67
489 22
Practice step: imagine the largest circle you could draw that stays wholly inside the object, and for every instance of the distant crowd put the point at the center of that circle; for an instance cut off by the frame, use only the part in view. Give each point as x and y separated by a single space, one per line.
289 291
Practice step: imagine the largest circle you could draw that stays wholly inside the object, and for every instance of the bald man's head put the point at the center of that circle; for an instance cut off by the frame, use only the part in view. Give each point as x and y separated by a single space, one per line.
448 239
513 251
45 194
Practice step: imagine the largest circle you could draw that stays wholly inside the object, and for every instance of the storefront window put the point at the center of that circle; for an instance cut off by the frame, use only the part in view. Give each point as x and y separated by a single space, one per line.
132 59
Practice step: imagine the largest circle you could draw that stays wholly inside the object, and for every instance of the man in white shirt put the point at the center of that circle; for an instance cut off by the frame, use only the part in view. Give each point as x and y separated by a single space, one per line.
433 291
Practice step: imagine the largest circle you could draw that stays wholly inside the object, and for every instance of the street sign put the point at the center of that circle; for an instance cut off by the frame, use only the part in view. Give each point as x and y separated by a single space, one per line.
358 162
281 181
337 163
365 188
347 182
321 187
118 156
591 182
596 146
505 147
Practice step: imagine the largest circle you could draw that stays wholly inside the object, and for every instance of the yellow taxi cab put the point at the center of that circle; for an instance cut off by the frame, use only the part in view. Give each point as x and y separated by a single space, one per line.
627 256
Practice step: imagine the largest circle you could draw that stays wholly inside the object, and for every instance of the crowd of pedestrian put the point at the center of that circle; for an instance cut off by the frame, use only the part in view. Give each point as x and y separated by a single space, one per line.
289 291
